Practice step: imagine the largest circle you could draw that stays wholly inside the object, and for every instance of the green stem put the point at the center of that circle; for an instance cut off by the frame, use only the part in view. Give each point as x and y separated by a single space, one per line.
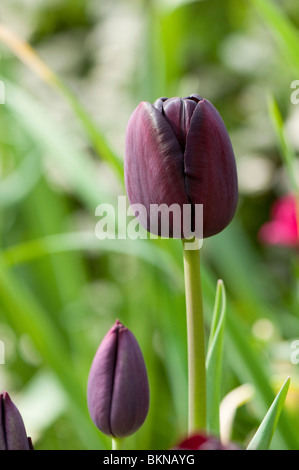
117 443
195 335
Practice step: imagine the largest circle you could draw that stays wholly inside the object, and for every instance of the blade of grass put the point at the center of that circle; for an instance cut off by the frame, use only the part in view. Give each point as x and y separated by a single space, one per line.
287 154
15 186
57 279
214 361
283 30
77 168
77 241
29 57
218 314
263 436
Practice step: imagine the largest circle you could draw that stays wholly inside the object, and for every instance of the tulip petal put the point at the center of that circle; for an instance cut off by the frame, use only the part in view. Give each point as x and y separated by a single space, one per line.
2 428
154 165
13 434
178 113
210 168
100 381
118 390
158 104
130 400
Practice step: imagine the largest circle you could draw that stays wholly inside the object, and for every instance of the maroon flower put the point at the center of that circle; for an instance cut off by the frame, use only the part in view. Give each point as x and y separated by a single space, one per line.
118 390
178 151
204 442
12 430
282 229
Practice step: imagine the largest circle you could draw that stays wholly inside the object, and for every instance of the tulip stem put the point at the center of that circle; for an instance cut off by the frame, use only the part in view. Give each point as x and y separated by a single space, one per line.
195 339
117 443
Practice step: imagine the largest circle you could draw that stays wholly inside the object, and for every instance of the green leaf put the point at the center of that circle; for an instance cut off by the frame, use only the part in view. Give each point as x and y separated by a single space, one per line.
78 168
263 436
287 153
29 57
15 186
86 241
95 136
283 30
214 360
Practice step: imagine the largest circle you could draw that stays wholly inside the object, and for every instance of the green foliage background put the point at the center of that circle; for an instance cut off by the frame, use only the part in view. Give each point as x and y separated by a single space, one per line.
61 152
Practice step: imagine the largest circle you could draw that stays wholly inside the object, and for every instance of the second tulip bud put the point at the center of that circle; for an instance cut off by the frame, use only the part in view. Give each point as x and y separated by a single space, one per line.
118 390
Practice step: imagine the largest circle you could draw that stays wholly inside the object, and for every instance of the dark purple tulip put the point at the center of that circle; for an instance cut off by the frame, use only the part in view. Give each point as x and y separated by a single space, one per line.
12 430
118 390
178 151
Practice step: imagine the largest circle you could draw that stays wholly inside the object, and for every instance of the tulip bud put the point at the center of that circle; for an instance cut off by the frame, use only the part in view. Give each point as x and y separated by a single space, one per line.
118 390
12 430
178 152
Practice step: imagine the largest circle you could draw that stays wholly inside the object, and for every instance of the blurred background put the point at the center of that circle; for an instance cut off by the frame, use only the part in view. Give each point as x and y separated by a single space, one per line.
68 98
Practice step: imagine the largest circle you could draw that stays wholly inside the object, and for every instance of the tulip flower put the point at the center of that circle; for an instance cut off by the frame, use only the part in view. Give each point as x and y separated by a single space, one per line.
12 430
118 390
283 228
178 152
178 156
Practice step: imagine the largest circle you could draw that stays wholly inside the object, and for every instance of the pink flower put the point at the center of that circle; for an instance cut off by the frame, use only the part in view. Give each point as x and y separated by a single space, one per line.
282 229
